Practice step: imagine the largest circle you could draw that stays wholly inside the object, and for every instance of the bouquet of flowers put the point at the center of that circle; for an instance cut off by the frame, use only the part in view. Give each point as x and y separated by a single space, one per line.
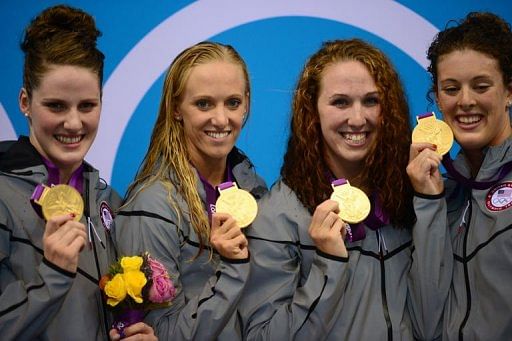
135 285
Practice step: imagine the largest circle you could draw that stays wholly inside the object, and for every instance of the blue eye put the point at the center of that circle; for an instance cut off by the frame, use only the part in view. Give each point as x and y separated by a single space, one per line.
450 90
203 104
482 87
233 103
340 102
371 101
55 106
87 106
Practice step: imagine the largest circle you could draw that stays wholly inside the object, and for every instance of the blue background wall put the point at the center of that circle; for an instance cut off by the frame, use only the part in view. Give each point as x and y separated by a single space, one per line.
274 37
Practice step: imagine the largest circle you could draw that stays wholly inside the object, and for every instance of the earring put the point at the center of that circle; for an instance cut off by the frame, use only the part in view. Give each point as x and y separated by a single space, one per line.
178 118
26 114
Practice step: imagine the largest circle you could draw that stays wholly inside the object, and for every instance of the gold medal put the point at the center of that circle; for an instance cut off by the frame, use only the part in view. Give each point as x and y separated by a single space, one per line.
237 202
60 200
430 129
353 203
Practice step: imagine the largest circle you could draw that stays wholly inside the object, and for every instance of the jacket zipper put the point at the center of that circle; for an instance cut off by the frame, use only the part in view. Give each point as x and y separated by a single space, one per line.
466 272
382 247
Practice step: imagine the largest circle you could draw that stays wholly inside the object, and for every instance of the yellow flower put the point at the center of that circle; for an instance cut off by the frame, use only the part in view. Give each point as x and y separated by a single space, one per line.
115 289
131 263
135 281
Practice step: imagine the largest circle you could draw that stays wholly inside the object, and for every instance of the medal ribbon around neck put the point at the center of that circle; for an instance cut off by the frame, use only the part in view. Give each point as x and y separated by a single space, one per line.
470 183
236 202
430 129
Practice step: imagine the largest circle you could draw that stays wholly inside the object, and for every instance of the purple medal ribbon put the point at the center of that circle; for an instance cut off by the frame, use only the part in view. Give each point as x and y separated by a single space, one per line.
375 220
427 114
76 181
470 183
212 194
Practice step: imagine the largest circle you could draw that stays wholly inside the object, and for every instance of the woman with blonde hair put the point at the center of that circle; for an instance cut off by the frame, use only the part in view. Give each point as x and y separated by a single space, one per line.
170 207
350 122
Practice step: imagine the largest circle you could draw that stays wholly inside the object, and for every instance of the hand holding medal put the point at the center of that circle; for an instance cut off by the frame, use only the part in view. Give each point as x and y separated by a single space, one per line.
430 129
237 202
59 200
64 236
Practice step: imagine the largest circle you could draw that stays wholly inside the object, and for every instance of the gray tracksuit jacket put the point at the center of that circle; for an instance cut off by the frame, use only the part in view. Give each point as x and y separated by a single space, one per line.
461 278
207 291
39 300
296 292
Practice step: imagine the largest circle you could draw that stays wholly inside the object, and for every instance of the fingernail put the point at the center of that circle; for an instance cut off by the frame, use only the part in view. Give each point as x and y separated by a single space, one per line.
72 215
435 146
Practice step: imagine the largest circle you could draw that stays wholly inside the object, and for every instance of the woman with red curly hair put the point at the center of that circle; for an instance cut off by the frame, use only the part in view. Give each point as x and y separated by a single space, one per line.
310 278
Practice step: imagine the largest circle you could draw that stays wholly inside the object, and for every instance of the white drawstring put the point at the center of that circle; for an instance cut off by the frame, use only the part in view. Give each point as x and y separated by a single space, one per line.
463 221
381 242
91 227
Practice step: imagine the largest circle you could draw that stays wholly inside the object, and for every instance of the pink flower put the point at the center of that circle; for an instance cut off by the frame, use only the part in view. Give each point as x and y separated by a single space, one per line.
162 290
157 269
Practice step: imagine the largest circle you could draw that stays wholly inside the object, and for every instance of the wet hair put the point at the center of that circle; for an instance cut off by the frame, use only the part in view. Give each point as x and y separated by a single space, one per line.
484 32
60 35
167 159
305 170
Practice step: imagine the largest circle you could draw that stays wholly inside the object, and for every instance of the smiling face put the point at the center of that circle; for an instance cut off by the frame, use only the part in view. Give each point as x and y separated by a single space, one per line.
64 113
349 110
471 94
212 108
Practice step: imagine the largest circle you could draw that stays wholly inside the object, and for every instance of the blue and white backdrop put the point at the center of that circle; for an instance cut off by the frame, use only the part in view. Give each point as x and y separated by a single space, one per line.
275 37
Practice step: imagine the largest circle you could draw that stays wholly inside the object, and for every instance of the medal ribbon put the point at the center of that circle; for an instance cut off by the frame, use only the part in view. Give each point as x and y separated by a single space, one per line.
470 183
76 181
425 115
212 194
375 220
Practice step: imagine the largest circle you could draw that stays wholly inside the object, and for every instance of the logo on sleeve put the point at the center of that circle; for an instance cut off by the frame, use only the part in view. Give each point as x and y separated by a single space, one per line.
499 197
107 216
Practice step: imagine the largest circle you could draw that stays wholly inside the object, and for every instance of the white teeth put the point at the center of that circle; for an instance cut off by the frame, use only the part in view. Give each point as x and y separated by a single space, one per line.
468 119
217 134
359 138
67 139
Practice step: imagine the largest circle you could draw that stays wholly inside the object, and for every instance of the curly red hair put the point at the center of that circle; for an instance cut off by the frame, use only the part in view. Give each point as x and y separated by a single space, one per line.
305 170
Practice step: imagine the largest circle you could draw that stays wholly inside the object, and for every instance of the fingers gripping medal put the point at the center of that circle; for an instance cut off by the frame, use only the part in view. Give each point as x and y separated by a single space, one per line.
353 202
59 200
430 129
237 202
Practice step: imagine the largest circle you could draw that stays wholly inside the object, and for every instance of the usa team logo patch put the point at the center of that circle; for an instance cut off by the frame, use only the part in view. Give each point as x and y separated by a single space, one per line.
499 197
107 216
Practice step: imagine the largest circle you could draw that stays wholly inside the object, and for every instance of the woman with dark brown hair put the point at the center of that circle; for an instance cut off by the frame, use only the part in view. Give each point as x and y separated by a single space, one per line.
350 121
50 266
462 267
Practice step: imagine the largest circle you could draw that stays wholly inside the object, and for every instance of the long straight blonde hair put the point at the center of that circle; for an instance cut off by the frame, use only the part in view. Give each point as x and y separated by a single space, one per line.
167 159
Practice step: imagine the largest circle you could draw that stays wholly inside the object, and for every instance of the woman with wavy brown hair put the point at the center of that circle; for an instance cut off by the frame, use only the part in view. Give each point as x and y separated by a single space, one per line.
350 120
462 263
